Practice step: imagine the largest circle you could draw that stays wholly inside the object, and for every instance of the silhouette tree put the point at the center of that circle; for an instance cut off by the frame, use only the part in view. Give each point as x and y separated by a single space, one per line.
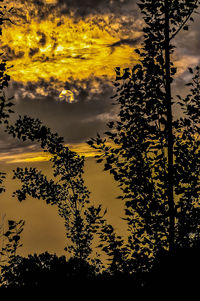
148 152
69 193
82 220
187 166
67 190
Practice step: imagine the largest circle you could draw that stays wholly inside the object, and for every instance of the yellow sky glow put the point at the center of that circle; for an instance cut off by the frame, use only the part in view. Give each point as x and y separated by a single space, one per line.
82 149
61 48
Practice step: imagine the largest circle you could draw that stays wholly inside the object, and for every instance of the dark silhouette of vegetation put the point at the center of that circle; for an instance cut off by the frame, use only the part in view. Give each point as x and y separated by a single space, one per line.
152 154
10 243
66 190
11 239
177 271
44 270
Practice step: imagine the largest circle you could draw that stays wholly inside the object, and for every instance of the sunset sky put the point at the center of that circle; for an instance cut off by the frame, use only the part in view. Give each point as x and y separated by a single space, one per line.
63 54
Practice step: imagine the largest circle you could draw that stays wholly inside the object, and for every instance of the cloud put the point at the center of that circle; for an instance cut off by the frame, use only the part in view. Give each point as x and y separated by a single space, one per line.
85 89
75 46
12 149
38 48
27 157
77 121
128 41
87 7
26 10
33 51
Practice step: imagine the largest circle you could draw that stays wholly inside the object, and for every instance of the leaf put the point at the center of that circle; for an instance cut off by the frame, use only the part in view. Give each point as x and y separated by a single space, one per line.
7 233
99 160
173 70
137 51
16 238
190 70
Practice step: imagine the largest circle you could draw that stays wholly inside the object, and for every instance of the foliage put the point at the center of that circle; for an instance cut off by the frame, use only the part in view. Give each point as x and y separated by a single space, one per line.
45 270
49 272
67 190
144 149
175 272
187 165
10 243
11 239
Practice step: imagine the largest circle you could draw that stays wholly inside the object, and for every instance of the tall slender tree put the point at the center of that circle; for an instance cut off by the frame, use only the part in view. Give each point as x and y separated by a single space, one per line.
142 153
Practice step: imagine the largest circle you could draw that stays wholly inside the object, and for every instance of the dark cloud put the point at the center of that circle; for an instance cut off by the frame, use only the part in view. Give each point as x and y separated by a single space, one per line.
26 10
76 122
81 120
86 89
43 38
33 51
79 8
11 53
87 7
14 146
130 42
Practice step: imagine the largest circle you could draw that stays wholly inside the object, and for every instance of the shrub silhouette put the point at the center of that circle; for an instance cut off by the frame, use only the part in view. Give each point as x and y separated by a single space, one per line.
46 270
178 271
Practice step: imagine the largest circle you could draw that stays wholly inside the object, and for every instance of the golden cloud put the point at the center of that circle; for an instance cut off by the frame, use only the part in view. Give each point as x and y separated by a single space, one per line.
63 47
82 149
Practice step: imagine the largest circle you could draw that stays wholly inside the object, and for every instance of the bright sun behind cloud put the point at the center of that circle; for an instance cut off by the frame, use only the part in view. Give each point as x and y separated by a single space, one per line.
67 95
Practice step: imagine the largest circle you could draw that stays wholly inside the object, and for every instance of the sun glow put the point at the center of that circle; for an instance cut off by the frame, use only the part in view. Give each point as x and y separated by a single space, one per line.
67 95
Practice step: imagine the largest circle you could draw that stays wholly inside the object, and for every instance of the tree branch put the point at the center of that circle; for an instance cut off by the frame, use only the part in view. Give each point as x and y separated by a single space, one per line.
184 22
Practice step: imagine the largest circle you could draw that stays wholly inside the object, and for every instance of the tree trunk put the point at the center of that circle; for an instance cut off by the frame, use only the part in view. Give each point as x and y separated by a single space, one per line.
169 133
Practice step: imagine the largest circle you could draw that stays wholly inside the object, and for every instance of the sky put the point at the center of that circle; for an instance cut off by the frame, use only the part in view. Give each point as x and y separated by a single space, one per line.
63 55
